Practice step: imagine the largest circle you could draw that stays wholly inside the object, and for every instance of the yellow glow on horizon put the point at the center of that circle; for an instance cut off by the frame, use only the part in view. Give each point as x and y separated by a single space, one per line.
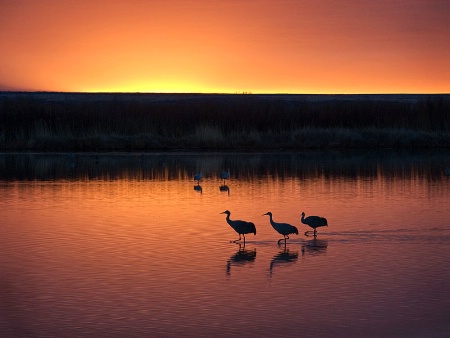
225 47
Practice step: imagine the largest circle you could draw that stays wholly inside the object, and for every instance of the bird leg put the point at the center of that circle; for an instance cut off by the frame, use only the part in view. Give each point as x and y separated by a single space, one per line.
237 240
314 232
285 237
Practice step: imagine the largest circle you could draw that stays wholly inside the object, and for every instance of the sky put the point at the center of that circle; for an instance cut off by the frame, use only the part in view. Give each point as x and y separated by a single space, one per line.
229 46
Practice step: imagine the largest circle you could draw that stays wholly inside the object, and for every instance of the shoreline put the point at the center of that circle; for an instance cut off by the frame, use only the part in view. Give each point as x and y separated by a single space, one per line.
137 122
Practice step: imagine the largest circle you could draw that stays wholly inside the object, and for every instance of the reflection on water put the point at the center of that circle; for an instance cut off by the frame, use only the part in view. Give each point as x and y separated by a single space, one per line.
315 247
122 245
283 258
225 188
348 165
241 258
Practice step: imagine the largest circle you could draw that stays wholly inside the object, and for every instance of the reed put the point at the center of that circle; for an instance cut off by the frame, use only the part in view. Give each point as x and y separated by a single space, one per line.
93 122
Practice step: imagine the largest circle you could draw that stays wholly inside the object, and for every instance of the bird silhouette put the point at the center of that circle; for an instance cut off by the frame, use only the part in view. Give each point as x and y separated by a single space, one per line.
314 222
198 177
224 175
282 228
241 227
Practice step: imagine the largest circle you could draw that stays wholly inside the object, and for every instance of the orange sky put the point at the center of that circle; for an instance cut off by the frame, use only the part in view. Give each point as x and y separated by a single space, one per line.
259 46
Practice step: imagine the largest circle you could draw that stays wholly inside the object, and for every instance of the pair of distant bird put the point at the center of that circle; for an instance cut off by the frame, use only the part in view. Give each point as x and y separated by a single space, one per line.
224 175
285 229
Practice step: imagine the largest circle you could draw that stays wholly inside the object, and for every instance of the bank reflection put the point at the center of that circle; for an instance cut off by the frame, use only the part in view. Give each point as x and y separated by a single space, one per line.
285 258
347 165
241 258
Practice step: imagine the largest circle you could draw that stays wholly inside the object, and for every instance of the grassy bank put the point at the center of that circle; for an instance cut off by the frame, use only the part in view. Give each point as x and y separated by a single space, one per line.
95 122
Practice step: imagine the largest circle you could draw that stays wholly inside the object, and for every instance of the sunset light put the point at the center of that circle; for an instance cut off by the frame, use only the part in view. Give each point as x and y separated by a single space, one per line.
226 46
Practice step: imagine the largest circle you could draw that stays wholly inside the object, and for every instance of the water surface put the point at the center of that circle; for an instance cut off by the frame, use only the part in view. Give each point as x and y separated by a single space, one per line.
129 245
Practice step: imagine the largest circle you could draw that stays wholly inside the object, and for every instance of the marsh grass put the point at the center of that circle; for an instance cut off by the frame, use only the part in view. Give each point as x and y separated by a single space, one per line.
218 122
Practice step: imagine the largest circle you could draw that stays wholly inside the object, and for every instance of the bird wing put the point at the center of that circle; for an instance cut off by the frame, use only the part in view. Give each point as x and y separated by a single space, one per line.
286 229
315 221
248 227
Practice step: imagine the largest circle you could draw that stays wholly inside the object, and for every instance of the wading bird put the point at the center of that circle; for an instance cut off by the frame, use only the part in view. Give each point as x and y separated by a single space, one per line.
241 227
224 175
198 177
282 228
314 222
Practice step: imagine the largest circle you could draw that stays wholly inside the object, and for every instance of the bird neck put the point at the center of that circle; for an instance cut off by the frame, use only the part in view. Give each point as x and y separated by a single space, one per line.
303 218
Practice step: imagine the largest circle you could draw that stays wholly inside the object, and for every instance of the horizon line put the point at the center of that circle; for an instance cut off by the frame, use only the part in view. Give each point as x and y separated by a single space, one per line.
217 93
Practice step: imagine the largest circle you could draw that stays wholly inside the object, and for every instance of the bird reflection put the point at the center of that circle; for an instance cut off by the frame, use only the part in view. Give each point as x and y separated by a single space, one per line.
225 188
240 258
284 257
314 247
198 188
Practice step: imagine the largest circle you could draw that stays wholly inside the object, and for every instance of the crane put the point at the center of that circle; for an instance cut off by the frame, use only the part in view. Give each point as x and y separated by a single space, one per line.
282 228
198 177
224 175
314 222
241 227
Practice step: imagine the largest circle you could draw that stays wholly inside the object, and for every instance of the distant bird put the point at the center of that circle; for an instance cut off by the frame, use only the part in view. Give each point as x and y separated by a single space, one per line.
314 222
282 228
224 175
241 227
198 177
447 171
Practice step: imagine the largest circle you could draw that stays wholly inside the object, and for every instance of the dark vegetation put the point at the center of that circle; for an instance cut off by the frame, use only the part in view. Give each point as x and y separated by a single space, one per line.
149 122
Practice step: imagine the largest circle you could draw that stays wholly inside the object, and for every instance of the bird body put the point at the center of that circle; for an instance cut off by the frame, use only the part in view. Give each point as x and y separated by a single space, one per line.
241 227
284 229
224 175
314 222
198 177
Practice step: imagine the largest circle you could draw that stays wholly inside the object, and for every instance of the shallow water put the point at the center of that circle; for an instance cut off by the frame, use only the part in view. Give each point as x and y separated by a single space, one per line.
129 245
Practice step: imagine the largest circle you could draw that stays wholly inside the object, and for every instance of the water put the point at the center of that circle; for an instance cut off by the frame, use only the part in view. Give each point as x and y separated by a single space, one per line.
129 245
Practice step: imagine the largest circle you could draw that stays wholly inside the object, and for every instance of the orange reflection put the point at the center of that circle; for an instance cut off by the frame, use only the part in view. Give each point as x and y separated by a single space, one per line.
153 248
